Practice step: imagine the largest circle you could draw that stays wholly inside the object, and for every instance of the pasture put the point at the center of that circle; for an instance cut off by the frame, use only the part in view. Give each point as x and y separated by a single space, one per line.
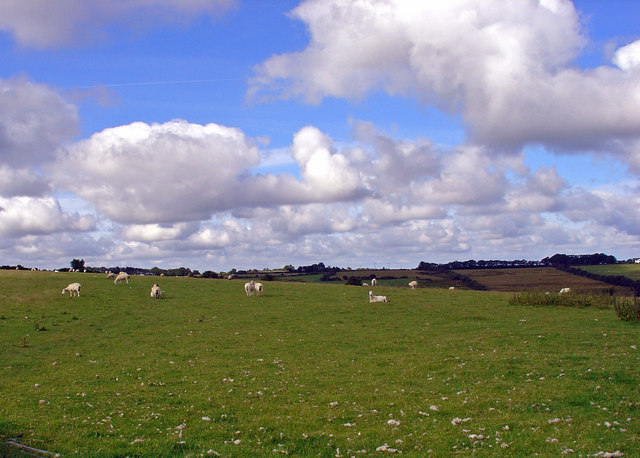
309 370
627 270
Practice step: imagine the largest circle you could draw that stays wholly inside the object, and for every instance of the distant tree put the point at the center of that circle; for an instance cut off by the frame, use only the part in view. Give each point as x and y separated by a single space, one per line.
77 264
157 271
209 274
427 266
289 268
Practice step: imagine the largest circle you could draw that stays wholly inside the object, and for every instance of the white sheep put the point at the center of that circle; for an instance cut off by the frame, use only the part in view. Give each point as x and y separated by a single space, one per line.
250 288
72 288
365 284
110 274
155 291
230 277
373 298
259 289
565 291
374 282
121 276
413 284
451 288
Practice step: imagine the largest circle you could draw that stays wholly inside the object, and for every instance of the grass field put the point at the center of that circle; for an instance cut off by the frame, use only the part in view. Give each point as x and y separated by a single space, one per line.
627 270
308 369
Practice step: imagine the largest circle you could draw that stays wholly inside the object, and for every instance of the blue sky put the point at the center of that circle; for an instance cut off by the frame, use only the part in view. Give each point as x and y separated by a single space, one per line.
216 134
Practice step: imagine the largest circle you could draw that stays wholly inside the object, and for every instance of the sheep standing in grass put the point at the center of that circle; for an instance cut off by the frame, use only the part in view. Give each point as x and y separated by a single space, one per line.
155 291
413 284
250 288
565 291
374 282
110 274
373 298
121 276
72 288
259 289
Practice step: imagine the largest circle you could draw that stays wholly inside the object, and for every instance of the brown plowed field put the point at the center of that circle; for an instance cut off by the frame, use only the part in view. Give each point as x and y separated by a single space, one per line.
538 279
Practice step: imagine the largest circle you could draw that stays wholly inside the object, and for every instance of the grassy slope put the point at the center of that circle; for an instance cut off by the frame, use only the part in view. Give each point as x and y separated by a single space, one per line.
307 369
627 270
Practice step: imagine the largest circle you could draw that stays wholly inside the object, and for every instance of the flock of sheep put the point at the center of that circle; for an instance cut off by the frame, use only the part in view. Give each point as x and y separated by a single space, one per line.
74 288
251 288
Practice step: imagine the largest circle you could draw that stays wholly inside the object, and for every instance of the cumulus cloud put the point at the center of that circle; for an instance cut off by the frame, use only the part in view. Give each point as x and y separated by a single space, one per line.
327 173
507 67
28 215
157 232
21 182
34 121
178 171
45 24
160 173
541 192
628 57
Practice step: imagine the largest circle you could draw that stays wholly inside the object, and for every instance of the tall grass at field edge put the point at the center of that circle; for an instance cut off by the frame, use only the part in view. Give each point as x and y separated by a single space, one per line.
626 308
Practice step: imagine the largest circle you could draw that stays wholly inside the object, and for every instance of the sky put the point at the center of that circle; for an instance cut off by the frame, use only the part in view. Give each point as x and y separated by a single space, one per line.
220 134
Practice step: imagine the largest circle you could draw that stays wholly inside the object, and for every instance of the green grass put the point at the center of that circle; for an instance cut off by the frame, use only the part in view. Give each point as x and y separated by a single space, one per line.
308 369
627 270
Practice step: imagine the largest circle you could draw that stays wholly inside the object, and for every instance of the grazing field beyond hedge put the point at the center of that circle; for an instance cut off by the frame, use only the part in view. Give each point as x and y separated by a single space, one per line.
308 369
631 271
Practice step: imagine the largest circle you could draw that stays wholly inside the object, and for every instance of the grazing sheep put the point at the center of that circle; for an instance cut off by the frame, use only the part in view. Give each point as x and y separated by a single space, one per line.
413 284
373 298
250 288
72 288
565 291
259 289
155 291
110 274
230 277
121 276
451 288
374 282
365 284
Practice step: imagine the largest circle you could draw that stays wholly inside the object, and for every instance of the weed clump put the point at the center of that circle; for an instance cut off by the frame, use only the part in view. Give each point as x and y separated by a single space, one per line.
628 309
564 300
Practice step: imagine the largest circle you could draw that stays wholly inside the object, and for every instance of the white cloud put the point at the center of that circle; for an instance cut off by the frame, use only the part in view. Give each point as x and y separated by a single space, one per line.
506 67
325 172
34 121
28 215
21 182
157 232
628 57
45 24
160 173
178 171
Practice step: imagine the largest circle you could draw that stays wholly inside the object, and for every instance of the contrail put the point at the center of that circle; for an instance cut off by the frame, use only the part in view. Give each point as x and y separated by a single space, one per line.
152 83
